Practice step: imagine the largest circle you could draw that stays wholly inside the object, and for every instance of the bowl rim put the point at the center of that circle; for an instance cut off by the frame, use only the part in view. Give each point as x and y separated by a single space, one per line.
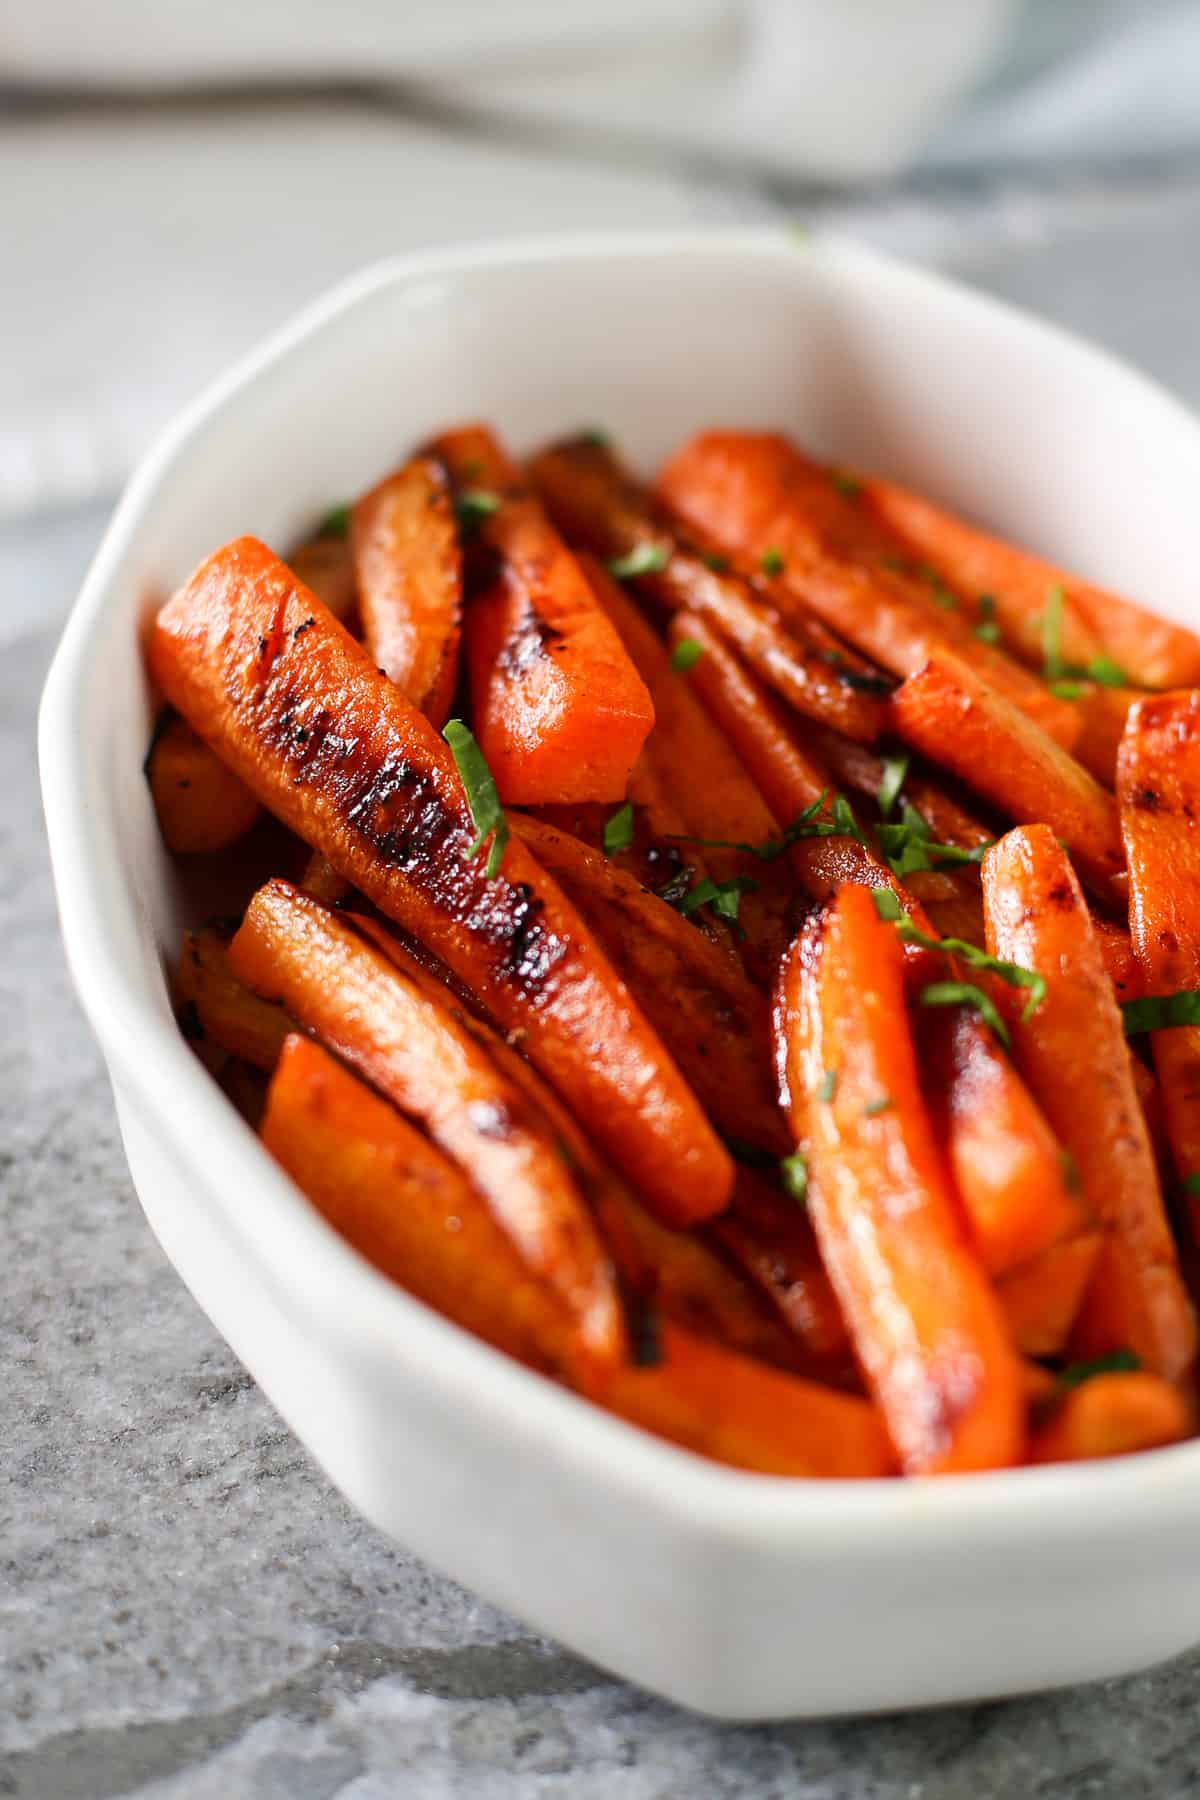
152 1065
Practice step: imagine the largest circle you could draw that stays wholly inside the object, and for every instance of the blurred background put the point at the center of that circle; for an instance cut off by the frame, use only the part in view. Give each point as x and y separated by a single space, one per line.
176 179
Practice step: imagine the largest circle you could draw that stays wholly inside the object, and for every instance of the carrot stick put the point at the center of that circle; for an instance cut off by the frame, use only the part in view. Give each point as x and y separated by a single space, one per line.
1073 1053
1158 787
301 713
1111 1415
597 503
752 493
709 1016
948 714
408 570
743 1412
215 1006
384 1022
1102 713
325 566
1119 958
405 1206
1041 1301
559 709
1152 651
926 1326
770 1238
201 805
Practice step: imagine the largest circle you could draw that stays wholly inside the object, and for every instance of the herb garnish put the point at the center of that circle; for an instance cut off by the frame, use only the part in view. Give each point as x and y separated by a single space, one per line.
1106 673
336 522
1052 621
910 846
793 1172
847 485
964 993
1070 1172
827 1087
772 562
895 774
646 558
600 440
618 830
473 505
1159 1012
686 655
1112 1362
725 897
1101 669
841 823
1191 1184
1067 690
873 1108
987 631
487 814
888 907
712 559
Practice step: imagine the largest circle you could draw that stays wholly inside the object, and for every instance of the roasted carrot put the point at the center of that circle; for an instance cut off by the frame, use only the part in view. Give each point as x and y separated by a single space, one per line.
201 804
769 1236
331 746
925 1324
1102 712
1041 1300
322 881
559 709
750 491
712 1020
1119 957
743 1412
382 1020
326 568
598 504
408 570
1073 1053
1158 786
948 714
216 1007
1111 1415
407 1207
1013 1180
1152 651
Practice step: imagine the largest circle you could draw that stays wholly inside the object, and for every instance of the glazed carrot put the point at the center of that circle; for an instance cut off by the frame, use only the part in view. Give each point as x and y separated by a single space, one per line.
1152 651
749 491
948 714
1073 1053
560 712
382 1020
926 1326
597 503
405 1206
216 1007
1041 1300
713 1022
408 570
1158 786
201 805
332 747
322 881
1102 712
743 1412
326 568
1111 1415
1005 1159
769 1237
1119 958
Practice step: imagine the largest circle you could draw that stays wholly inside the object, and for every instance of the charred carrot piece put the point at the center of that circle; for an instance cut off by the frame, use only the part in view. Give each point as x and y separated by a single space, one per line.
201 804
743 1412
407 1207
1020 1194
769 1236
326 567
1111 1415
1158 786
560 711
951 716
597 503
925 1324
1119 957
752 493
408 571
709 1016
1152 651
1072 1051
383 1021
218 1008
331 746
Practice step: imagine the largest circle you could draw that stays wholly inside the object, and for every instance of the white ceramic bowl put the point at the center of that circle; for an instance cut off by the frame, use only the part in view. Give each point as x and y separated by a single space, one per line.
741 1595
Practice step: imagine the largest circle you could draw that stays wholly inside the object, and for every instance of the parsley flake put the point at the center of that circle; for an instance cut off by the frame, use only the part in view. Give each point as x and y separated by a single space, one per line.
487 814
686 655
772 563
646 558
827 1087
336 522
964 993
1113 1362
618 830
793 1172
895 774
1159 1012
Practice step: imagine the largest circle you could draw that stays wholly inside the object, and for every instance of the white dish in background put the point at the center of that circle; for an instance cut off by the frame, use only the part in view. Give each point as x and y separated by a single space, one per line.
741 1595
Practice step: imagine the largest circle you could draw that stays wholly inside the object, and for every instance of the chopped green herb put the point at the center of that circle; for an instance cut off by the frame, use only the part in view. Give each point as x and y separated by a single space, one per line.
600 440
725 897
1068 690
963 993
336 522
987 631
487 814
986 606
834 658
841 823
712 559
674 890
847 485
646 558
686 655
1070 1169
793 1172
1106 673
473 505
1112 1363
909 846
942 595
772 563
896 565
1191 1184
873 1108
895 774
1052 622
887 905
1158 1012
1011 973
827 1087
618 830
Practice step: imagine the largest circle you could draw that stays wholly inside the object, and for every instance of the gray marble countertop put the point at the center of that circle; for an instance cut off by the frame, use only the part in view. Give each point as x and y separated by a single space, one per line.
187 1608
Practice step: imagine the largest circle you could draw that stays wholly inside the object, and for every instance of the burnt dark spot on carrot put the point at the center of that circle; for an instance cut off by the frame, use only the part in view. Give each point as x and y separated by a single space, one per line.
302 628
1146 799
529 642
1168 940
184 782
1059 895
